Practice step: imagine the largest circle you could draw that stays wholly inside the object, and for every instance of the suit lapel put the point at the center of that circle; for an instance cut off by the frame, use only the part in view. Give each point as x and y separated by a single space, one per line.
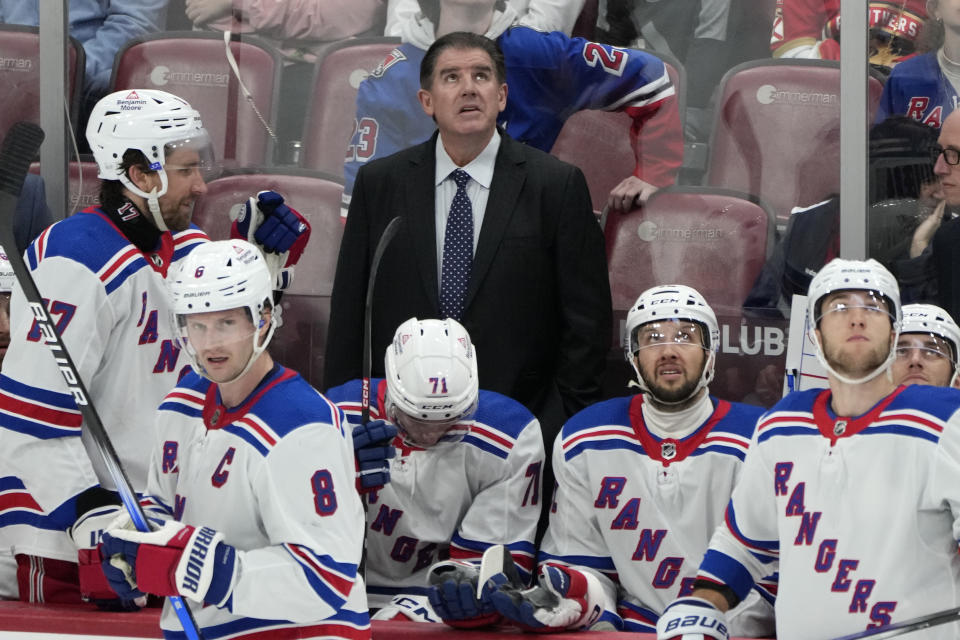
421 215
509 174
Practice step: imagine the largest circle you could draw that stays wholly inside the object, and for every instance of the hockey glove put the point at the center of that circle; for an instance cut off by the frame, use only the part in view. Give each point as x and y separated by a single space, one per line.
279 231
85 533
176 559
453 595
563 598
692 619
372 449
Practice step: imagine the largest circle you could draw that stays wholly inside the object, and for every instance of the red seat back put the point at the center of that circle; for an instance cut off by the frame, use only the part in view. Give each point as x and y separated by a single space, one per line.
84 185
300 342
333 105
20 75
777 132
598 142
193 66
714 240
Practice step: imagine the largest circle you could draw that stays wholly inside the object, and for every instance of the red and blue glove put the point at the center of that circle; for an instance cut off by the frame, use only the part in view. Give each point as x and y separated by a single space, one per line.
176 559
562 599
85 533
279 231
453 595
373 450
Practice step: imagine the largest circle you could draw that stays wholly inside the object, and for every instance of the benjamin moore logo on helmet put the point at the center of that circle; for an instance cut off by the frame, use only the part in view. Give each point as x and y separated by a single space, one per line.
131 102
648 231
769 94
161 75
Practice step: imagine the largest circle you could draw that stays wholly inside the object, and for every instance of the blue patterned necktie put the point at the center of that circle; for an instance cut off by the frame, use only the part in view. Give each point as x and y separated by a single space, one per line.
457 251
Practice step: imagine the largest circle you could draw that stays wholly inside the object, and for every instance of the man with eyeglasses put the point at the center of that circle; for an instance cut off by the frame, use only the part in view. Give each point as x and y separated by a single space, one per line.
642 481
852 492
927 347
447 470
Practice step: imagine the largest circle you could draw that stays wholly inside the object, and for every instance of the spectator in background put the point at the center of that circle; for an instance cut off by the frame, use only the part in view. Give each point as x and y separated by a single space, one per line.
695 33
300 29
32 214
925 87
405 19
811 29
550 77
102 28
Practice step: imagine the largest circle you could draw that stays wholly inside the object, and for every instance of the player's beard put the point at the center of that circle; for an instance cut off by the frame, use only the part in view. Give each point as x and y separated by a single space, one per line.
851 366
671 396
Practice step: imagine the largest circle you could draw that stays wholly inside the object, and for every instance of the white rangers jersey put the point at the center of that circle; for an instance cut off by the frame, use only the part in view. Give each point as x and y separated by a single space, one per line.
109 302
453 499
863 514
637 510
275 475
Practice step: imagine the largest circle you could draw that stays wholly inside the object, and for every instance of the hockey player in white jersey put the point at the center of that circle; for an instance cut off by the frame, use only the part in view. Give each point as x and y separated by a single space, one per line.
641 483
466 475
102 274
254 466
927 347
854 491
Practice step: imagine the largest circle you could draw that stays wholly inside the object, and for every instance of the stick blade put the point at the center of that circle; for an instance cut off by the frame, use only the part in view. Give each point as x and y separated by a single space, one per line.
20 147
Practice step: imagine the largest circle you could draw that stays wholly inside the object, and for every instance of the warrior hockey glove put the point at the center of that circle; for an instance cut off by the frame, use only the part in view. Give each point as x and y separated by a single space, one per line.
85 533
563 598
279 231
372 448
176 559
453 595
692 619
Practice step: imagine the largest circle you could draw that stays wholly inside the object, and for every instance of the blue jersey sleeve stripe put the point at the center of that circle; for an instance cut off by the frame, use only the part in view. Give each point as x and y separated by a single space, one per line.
787 431
36 394
485 446
728 571
600 563
603 445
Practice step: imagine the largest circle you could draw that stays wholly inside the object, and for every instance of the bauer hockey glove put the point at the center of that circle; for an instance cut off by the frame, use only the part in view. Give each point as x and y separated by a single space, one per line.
97 512
453 595
279 231
176 559
563 598
692 619
373 450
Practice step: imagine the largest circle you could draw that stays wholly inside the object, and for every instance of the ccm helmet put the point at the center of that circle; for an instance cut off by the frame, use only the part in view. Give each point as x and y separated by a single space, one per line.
431 370
7 278
219 276
155 123
674 302
853 275
932 320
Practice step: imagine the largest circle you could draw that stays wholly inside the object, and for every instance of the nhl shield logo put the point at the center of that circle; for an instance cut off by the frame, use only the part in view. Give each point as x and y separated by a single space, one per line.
839 427
668 450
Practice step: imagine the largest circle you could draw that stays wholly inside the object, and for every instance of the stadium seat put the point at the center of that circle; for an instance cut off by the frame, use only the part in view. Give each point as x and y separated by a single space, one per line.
193 65
300 342
20 76
777 132
599 142
715 240
83 181
333 104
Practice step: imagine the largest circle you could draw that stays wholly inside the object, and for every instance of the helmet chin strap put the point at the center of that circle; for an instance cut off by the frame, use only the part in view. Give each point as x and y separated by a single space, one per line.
152 198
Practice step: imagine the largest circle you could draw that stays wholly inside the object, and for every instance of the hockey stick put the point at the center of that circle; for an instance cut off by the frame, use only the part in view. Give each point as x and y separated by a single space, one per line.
19 148
385 238
907 626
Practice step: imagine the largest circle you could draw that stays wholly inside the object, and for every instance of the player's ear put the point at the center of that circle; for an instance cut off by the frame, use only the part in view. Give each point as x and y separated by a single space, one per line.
502 96
141 178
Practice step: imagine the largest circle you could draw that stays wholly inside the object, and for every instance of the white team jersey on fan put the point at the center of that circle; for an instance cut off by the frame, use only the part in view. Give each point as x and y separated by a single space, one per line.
637 510
275 475
453 498
862 513
109 302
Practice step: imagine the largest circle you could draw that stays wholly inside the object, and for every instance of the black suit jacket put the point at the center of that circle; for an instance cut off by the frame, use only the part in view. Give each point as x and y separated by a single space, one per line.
538 308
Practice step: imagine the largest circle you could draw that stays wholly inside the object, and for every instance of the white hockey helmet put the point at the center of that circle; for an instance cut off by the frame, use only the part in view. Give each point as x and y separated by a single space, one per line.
932 320
853 275
219 276
674 302
7 277
149 121
431 370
